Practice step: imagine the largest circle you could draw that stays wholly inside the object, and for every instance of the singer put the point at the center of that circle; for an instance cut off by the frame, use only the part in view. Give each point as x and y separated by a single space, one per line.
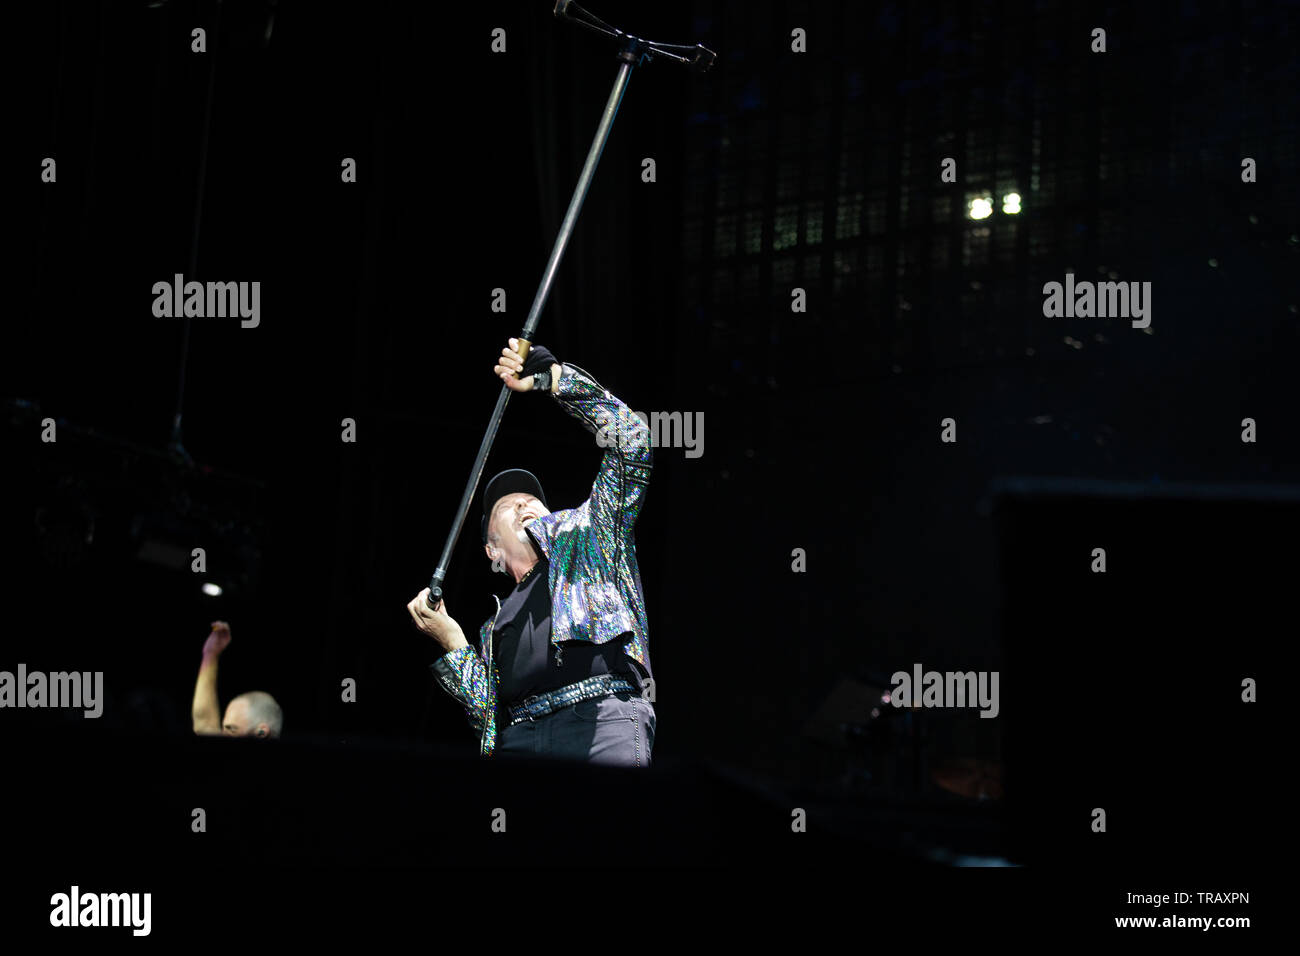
562 670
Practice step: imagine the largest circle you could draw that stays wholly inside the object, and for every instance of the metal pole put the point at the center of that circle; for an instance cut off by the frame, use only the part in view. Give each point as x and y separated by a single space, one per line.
631 57
174 445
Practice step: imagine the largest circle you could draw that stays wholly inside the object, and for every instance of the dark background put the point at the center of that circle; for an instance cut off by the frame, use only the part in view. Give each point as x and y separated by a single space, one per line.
775 171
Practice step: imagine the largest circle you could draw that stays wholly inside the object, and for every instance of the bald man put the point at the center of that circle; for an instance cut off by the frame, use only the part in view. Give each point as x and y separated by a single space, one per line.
255 714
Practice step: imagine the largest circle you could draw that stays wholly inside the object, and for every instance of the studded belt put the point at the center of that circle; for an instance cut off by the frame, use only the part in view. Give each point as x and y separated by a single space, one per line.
530 708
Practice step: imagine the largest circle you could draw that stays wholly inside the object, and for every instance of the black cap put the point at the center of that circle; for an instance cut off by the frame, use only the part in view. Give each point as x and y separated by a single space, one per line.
508 483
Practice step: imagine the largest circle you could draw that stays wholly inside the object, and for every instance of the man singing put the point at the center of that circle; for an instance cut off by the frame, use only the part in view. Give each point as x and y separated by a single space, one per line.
563 668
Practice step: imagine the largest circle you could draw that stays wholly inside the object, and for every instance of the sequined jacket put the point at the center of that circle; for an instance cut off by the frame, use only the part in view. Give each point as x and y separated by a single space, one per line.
593 575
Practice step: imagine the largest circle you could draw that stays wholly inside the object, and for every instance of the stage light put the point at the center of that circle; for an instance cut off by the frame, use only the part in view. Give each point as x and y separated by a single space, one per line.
1011 203
212 590
981 207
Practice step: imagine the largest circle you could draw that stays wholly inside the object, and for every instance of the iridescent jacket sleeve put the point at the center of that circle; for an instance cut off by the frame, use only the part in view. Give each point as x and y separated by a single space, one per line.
464 675
619 489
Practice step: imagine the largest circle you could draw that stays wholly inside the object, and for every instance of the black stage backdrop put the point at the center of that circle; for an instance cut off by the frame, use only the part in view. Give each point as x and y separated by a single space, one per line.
800 282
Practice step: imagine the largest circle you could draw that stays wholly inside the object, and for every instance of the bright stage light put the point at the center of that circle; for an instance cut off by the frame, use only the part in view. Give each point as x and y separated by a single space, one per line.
1011 203
212 590
981 208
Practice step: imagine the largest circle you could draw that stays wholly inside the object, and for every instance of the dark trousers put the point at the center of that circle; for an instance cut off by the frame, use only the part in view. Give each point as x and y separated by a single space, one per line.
617 730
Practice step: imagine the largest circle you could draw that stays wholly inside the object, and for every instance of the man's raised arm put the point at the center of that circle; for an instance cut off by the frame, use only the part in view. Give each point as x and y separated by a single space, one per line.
619 489
205 712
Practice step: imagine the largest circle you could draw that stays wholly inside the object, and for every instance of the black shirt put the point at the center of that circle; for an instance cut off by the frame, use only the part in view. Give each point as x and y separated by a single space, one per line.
525 657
